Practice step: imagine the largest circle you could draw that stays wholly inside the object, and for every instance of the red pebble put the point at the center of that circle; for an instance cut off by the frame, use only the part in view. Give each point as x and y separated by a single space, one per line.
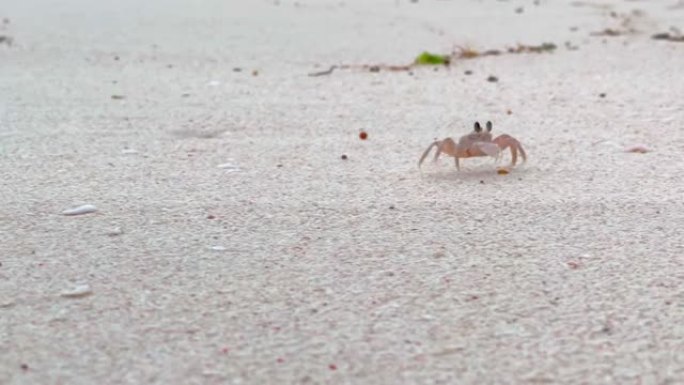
332 367
280 360
363 135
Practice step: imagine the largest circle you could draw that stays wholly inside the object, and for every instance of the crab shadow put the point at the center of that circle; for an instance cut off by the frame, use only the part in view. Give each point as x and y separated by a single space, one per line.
471 175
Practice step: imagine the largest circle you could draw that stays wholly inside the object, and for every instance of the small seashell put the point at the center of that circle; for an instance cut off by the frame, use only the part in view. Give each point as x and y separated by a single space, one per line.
77 292
217 248
84 209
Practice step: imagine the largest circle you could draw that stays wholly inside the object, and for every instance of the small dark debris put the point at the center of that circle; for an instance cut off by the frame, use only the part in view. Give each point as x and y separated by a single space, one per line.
602 95
279 165
5 21
211 216
6 39
374 69
116 58
571 47
255 73
391 207
344 157
237 69
333 366
492 79
24 367
668 37
468 72
326 72
185 95
482 182
169 66
519 10
574 29
508 112
607 32
491 52
118 97
522 48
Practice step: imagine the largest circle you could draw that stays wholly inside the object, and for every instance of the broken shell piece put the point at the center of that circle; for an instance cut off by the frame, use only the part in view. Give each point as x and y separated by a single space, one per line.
115 232
84 209
228 167
77 292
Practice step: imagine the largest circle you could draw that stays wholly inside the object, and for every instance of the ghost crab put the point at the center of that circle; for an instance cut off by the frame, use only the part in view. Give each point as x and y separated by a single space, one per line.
477 143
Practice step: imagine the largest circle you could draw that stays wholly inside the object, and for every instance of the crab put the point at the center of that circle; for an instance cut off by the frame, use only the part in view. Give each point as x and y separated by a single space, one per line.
477 143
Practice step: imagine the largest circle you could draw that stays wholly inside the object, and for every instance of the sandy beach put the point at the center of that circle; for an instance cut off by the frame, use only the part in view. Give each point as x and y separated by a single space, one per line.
243 233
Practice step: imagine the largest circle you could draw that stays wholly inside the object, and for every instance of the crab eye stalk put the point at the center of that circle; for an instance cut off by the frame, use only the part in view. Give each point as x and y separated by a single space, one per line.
478 128
489 126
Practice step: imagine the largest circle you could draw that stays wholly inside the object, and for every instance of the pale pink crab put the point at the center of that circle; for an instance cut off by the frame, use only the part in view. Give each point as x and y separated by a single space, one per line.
477 143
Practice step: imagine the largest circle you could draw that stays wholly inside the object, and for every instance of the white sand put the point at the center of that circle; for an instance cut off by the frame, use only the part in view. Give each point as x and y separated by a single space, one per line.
567 270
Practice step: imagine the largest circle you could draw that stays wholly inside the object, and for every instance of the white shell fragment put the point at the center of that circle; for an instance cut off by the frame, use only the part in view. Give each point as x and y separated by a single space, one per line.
217 248
116 231
228 167
83 209
129 151
77 292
